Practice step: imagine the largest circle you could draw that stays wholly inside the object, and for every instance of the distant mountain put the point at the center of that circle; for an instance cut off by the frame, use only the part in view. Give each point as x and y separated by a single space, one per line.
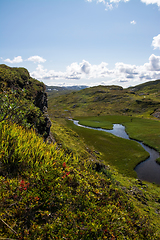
56 91
74 87
56 88
141 100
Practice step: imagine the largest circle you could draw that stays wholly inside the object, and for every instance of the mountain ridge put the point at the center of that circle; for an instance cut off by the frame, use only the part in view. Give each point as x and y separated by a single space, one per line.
102 100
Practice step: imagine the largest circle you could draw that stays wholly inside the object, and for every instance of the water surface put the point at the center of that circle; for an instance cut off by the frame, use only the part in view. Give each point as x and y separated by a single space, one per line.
147 170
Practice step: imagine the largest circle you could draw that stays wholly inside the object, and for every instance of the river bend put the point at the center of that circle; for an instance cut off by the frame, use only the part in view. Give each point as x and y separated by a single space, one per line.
147 170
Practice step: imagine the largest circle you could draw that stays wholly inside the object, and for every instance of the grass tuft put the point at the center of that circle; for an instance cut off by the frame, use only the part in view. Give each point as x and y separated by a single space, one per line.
46 193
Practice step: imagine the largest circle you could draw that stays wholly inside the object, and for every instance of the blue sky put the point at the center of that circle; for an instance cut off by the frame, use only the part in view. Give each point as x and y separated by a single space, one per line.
82 42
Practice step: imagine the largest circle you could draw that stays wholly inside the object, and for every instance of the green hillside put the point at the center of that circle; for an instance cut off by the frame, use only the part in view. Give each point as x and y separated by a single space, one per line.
48 194
66 190
18 79
142 100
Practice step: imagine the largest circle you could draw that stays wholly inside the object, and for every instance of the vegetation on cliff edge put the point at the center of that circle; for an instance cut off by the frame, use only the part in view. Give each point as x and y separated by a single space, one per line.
48 194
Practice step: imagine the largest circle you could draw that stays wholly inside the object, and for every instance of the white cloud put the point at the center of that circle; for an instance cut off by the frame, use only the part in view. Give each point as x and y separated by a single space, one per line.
151 2
156 42
42 73
15 60
126 68
122 74
36 59
133 22
109 4
154 63
117 1
85 67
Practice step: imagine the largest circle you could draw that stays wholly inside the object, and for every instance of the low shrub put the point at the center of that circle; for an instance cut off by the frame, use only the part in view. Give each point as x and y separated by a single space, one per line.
48 194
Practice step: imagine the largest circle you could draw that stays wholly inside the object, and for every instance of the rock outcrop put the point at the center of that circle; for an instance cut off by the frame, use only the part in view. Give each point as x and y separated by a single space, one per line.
19 80
41 102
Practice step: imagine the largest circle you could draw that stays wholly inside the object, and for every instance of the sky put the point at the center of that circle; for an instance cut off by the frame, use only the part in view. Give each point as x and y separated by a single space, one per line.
82 42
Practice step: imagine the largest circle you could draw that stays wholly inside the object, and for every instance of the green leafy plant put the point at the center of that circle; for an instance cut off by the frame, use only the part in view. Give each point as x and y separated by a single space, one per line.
18 109
52 195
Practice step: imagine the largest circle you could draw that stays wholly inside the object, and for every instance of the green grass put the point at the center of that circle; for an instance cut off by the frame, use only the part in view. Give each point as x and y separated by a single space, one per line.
47 194
120 153
123 154
107 100
96 122
145 130
17 79
158 160
145 195
131 107
56 191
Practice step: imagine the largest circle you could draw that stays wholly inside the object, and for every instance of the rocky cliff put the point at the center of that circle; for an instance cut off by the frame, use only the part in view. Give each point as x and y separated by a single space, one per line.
20 81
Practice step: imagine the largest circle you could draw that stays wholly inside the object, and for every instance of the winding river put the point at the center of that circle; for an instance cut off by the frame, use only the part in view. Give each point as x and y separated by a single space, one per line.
147 170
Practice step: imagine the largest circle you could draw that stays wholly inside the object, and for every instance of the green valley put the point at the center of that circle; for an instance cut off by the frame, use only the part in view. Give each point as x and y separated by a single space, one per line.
67 182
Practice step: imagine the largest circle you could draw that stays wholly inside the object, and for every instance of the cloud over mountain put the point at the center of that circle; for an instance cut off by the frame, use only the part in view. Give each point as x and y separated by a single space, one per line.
121 73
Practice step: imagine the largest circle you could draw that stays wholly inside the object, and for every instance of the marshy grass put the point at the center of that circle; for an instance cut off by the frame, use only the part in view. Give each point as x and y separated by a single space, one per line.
141 129
120 153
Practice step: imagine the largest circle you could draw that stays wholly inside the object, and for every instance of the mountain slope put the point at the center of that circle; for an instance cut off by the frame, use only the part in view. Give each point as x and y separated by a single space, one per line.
54 195
103 100
63 191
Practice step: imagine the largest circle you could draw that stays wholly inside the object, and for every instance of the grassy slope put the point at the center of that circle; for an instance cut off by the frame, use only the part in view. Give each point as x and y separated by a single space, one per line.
141 101
53 191
103 100
48 194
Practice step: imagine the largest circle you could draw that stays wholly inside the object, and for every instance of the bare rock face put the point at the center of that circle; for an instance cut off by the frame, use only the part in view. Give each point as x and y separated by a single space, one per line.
156 114
41 102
